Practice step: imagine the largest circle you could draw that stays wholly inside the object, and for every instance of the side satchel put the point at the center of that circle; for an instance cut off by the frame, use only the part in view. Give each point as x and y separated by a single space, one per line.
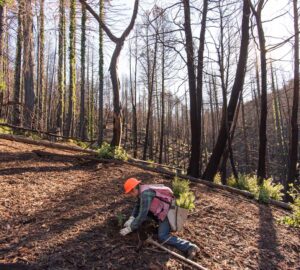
177 216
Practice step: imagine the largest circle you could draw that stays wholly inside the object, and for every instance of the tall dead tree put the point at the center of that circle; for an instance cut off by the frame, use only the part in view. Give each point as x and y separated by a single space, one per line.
40 87
82 118
195 87
72 58
61 86
18 67
293 144
2 34
151 69
237 88
101 74
200 66
133 94
261 170
28 63
119 41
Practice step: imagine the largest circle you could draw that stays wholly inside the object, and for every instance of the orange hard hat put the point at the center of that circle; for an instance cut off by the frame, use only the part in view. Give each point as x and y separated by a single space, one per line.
130 184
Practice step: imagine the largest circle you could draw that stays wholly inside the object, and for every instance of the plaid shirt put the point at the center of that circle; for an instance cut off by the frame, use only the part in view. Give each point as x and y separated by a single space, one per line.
141 209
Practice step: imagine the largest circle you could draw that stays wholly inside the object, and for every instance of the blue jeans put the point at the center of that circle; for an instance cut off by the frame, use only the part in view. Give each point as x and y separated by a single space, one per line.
164 236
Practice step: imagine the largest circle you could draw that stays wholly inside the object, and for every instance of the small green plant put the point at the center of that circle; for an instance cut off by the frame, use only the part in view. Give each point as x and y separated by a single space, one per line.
269 190
5 130
186 200
181 190
294 219
32 135
180 186
244 182
151 163
108 152
82 144
217 179
120 218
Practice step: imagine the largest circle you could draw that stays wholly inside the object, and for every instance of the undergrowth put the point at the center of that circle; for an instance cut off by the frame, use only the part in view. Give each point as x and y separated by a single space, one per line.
6 130
294 219
263 193
184 197
109 152
79 143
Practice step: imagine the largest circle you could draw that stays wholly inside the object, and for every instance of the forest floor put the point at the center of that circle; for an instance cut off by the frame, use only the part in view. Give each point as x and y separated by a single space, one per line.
59 210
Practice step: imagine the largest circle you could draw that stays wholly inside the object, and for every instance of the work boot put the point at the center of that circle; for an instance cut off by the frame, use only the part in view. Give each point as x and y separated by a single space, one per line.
192 251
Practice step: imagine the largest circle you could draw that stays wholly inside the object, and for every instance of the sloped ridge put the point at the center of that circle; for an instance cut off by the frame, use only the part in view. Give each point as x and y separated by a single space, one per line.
60 210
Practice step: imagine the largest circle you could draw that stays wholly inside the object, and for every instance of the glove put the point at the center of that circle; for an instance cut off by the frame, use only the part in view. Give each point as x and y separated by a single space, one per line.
129 221
125 231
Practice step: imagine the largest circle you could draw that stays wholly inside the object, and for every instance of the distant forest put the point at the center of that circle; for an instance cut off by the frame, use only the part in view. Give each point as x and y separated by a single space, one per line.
198 85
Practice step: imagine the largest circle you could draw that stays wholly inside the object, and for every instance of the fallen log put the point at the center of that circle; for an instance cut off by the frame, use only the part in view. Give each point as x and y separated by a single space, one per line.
41 132
140 164
196 265
22 139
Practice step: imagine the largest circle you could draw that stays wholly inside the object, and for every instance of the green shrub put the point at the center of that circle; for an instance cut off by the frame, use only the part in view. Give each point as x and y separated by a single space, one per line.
108 152
186 200
184 197
32 135
231 181
244 182
5 130
217 179
269 190
180 186
262 193
81 144
151 163
294 219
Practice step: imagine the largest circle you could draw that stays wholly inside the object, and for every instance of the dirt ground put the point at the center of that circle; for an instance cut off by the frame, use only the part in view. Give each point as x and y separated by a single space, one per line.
61 212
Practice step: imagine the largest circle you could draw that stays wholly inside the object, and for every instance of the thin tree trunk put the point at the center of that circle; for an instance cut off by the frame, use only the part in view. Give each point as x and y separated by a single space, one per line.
61 86
151 76
28 64
101 75
245 137
82 124
41 76
293 144
261 170
162 122
193 169
199 89
17 85
133 99
72 89
3 86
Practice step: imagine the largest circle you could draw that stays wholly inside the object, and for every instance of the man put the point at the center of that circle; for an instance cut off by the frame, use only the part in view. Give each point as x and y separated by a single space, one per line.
154 201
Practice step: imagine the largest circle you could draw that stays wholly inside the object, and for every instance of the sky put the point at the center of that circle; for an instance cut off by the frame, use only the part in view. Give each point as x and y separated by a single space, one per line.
276 27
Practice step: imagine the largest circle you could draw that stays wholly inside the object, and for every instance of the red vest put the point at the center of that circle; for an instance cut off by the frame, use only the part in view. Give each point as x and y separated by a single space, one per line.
161 202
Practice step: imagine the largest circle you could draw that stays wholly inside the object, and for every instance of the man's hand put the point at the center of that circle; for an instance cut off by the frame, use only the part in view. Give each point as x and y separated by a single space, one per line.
129 221
125 231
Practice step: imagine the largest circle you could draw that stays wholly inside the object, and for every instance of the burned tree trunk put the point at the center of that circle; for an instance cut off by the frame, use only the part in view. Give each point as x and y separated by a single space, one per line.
219 148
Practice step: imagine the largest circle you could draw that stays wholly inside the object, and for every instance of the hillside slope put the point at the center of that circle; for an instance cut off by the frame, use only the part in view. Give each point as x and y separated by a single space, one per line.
59 211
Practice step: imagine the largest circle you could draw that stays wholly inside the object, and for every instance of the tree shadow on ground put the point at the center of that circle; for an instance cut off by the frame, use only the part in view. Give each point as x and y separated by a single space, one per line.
269 254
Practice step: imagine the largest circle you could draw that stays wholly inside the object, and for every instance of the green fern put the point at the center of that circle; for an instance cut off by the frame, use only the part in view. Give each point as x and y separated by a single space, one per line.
108 152
186 200
180 186
294 219
217 179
